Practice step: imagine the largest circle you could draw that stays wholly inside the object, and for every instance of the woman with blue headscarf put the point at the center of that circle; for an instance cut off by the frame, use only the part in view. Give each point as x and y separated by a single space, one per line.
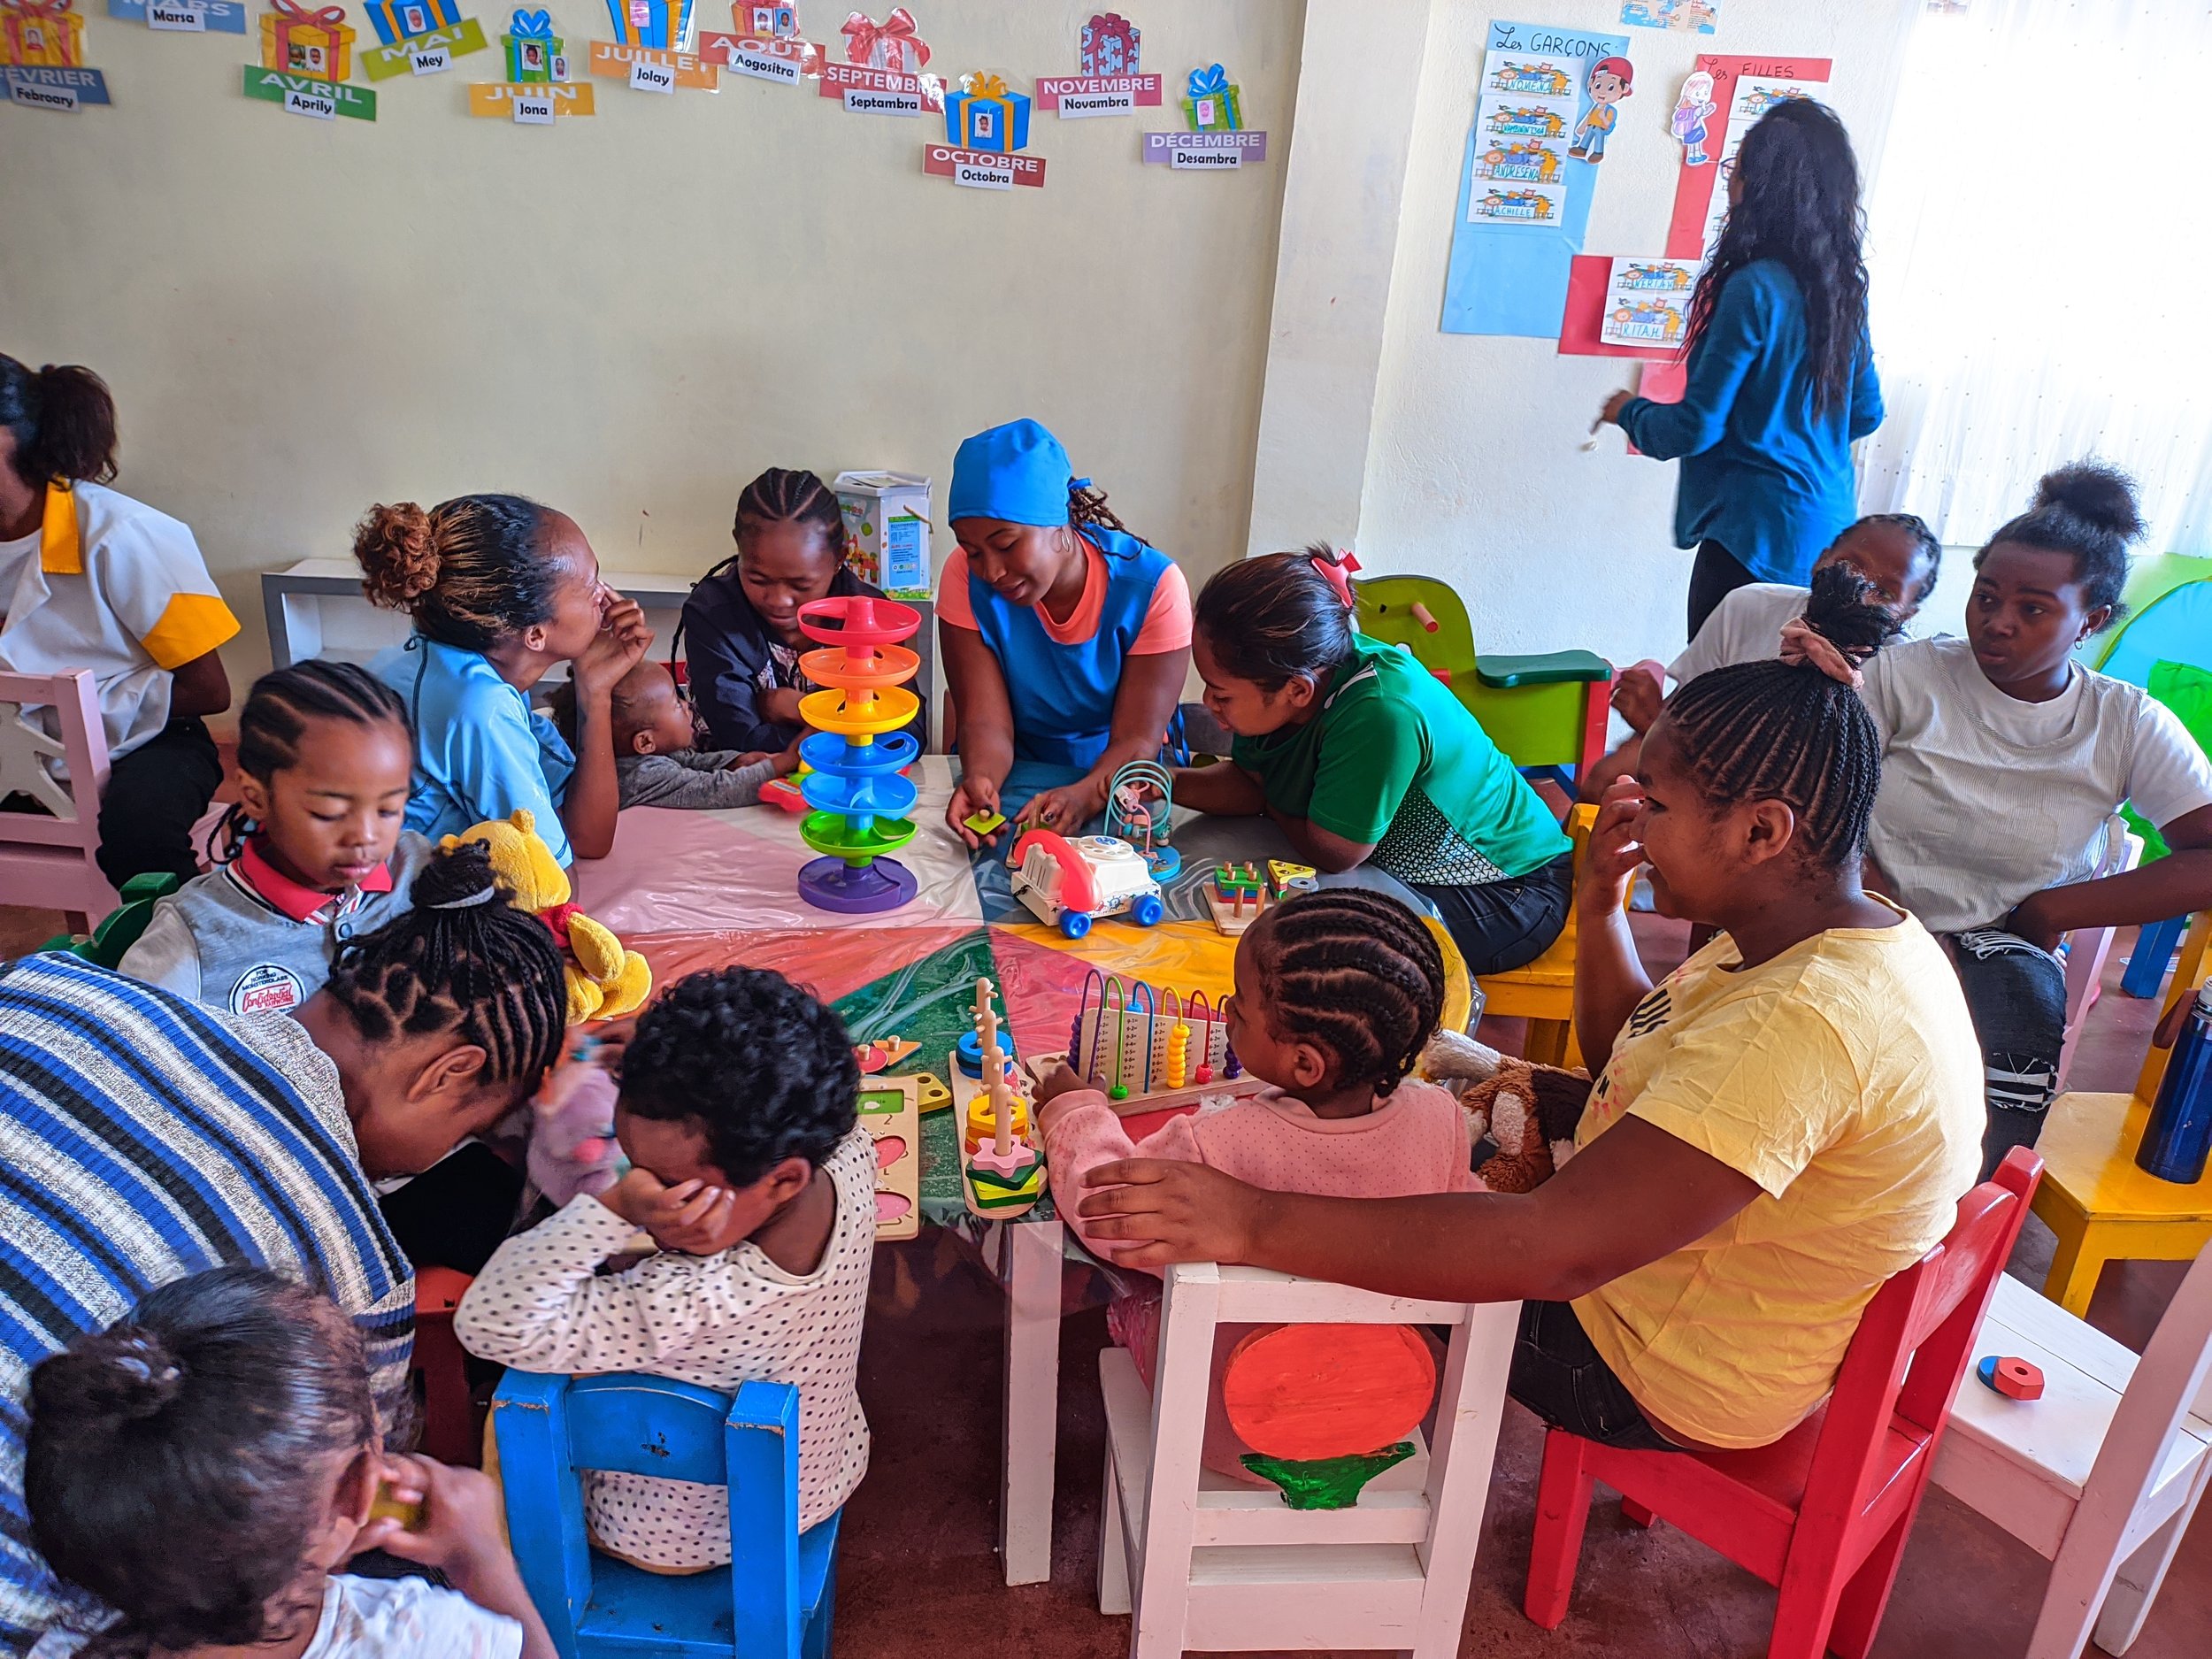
1065 638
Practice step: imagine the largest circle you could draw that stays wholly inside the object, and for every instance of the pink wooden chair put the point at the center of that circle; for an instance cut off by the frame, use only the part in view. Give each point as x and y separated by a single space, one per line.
49 863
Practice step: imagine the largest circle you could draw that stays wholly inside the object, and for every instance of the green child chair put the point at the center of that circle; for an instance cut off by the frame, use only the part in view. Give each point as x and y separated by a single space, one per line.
1546 712
105 945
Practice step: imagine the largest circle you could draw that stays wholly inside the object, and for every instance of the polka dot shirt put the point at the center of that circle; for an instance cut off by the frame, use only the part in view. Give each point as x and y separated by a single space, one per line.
712 1321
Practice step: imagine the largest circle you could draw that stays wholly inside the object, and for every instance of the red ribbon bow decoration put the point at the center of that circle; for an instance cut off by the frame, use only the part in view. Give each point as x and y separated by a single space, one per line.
328 17
1337 573
894 34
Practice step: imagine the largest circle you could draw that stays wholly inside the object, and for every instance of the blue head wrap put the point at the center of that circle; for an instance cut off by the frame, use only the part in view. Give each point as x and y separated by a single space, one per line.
1018 473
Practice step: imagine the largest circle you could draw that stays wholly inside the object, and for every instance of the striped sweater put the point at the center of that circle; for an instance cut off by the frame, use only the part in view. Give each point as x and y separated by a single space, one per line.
143 1138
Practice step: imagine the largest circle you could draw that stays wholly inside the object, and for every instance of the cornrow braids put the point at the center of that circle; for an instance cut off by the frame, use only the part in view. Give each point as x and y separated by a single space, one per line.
1356 973
1927 547
1087 504
785 495
275 718
461 961
1786 732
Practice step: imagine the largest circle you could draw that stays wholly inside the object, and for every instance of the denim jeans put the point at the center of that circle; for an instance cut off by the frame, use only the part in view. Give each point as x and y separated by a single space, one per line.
2017 994
1562 1378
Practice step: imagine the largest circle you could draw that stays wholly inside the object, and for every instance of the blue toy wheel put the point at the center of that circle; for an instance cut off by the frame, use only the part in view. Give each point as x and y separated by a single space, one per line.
1075 923
1147 911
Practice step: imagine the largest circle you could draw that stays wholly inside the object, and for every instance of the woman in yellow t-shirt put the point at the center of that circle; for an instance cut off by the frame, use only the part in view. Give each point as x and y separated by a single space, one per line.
1783 1121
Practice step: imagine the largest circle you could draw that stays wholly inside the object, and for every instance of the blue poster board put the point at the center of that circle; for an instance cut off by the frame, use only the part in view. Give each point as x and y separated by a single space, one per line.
1507 278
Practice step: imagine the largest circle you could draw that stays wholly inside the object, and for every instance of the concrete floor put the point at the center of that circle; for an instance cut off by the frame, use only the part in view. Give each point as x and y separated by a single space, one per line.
919 1578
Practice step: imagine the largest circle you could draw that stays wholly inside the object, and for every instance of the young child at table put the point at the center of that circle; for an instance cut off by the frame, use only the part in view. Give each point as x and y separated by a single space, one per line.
1895 552
752 1174
1363 757
1338 992
205 1465
740 636
2003 764
311 855
501 589
656 760
1065 637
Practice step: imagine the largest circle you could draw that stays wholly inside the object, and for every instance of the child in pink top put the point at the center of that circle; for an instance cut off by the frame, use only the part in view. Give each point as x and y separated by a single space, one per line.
1339 992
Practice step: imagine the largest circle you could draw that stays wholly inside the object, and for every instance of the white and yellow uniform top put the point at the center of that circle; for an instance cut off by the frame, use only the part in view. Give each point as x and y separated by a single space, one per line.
109 584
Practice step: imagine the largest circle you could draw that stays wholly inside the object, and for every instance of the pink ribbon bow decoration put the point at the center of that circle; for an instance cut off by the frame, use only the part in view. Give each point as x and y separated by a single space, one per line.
328 17
890 44
1337 573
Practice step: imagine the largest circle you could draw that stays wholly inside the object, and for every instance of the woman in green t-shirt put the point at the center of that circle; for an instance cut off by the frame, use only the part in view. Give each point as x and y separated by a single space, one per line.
1363 758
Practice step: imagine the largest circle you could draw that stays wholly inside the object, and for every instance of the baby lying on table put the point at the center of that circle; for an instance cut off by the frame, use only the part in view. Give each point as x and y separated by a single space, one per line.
656 762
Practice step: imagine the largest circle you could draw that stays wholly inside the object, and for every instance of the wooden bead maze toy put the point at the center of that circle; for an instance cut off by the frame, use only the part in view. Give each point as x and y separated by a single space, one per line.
1149 1048
1001 1159
857 752
1141 810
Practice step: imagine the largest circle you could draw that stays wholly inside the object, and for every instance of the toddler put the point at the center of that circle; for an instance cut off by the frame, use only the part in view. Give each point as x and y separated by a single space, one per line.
311 856
739 1113
205 1464
1337 993
655 760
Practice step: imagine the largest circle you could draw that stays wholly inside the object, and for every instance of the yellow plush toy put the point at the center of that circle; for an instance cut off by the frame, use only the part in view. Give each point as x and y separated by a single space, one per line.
605 982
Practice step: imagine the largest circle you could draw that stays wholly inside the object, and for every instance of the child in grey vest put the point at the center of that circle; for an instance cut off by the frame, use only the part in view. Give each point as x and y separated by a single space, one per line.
311 855
655 760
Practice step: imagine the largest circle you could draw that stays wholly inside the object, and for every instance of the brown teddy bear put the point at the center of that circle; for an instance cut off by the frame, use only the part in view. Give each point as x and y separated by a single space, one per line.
1530 1113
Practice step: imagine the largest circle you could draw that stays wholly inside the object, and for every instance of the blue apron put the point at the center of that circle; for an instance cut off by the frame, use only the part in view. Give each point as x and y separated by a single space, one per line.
1062 695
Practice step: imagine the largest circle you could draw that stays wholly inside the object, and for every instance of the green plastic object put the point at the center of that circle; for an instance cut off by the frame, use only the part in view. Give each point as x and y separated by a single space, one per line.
2187 691
1325 1483
1531 707
105 946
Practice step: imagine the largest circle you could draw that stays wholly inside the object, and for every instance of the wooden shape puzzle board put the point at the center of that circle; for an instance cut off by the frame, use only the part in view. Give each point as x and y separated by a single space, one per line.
890 1108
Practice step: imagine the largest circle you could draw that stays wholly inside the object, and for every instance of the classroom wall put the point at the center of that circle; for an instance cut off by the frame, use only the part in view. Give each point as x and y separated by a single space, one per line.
1474 467
629 315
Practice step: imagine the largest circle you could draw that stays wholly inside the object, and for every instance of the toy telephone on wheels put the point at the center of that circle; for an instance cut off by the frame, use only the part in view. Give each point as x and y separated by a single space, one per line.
860 802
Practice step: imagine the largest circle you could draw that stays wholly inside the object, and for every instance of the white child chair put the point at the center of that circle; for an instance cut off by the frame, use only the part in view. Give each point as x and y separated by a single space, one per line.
51 862
2100 1475
1216 1566
2088 948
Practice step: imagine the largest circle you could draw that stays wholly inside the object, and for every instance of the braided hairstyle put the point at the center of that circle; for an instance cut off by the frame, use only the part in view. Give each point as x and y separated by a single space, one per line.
761 1068
784 494
464 961
1927 549
1355 973
471 572
2087 509
1087 504
1778 731
1276 617
274 720
176 1464
62 417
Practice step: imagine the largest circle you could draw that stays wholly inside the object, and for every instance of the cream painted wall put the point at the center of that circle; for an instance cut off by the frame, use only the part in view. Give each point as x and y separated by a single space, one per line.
1474 470
628 316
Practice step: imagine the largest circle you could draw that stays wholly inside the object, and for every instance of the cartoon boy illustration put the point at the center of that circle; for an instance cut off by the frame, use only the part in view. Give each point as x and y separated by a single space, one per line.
1611 80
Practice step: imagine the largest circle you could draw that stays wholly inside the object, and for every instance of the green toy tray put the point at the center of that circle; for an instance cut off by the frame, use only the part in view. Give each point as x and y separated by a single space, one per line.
1550 668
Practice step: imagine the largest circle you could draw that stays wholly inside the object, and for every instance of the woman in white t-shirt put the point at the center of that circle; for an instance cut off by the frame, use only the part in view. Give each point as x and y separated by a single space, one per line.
2004 762
91 579
1895 552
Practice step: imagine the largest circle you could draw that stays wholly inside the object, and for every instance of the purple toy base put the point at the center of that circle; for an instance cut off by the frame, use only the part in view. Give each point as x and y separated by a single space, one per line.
882 884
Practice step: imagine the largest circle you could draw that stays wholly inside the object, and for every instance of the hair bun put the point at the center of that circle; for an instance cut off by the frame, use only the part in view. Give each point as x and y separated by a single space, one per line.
398 550
124 1374
2101 495
456 878
1845 609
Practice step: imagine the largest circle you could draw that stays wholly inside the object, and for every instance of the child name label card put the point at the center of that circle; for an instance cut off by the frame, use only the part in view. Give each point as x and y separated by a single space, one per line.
648 69
430 53
317 100
531 103
52 87
1205 152
1648 302
183 17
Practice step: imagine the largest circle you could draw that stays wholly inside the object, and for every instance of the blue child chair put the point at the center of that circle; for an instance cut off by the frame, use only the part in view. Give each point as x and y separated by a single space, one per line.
776 1600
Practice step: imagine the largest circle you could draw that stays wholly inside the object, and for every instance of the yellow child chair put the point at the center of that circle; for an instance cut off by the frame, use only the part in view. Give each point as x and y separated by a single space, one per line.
2102 1207
1542 992
1547 711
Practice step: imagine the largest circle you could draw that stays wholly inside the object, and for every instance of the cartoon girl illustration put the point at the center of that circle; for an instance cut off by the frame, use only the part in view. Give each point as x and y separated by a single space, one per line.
1611 80
1695 105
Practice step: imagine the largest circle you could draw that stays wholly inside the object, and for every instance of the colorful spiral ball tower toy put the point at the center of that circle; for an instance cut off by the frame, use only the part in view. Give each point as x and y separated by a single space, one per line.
857 752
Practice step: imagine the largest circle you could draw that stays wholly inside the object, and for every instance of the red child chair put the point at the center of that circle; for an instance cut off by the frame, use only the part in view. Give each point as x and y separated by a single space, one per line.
1824 1512
449 1431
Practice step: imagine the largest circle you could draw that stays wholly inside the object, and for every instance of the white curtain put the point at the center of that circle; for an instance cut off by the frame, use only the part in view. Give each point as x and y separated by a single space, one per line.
2040 239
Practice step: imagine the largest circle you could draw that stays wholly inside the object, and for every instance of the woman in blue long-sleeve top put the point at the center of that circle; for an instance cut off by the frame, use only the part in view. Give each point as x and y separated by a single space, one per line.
1781 375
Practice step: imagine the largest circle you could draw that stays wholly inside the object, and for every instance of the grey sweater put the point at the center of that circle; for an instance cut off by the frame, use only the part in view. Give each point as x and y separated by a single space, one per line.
690 777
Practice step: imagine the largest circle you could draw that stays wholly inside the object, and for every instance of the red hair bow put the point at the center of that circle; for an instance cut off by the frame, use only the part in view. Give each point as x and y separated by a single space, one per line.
1337 572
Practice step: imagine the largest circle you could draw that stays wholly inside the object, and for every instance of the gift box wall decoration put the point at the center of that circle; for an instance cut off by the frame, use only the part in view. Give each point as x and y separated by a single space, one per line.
766 45
983 115
398 21
890 44
535 54
1212 102
318 44
1108 81
665 26
41 33
419 37
880 72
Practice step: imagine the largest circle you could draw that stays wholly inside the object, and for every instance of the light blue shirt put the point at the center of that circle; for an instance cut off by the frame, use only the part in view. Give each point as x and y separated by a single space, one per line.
1763 472
480 752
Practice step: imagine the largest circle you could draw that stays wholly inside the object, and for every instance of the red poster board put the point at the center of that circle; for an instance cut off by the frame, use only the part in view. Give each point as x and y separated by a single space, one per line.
1584 317
1693 187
